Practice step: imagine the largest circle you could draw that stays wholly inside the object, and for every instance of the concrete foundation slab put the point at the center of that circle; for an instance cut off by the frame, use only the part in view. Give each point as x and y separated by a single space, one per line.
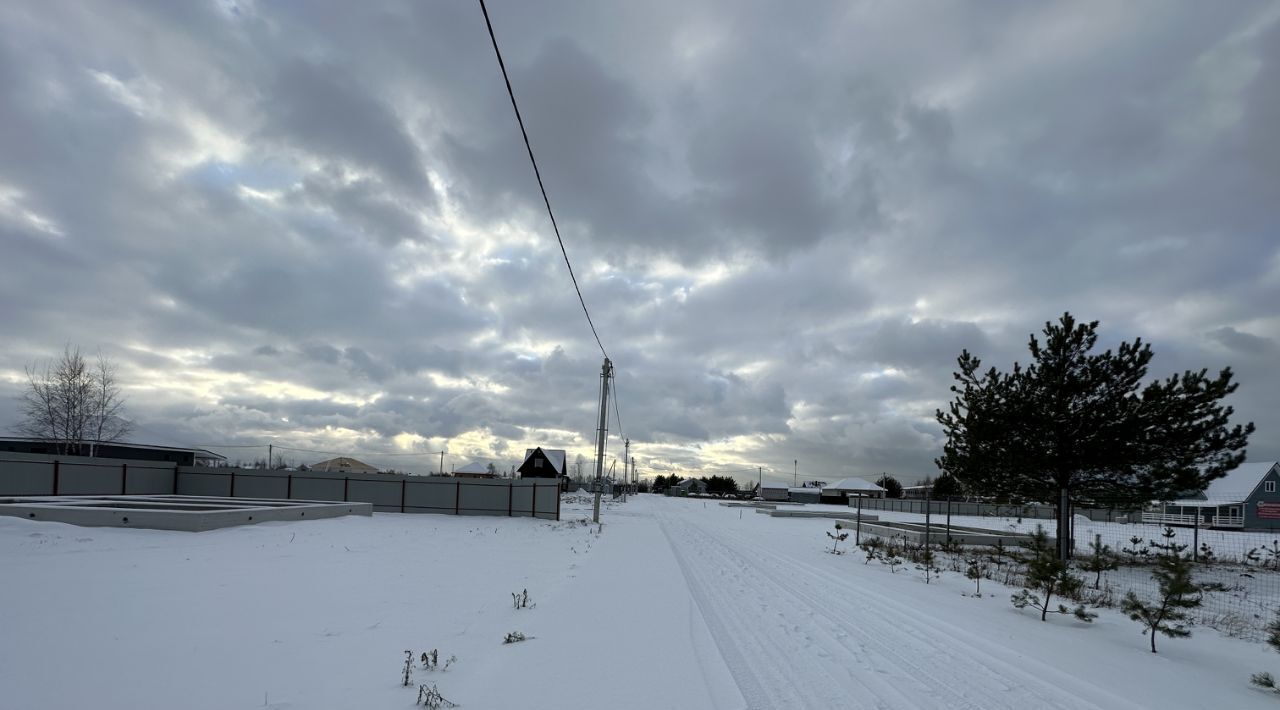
970 537
819 514
172 512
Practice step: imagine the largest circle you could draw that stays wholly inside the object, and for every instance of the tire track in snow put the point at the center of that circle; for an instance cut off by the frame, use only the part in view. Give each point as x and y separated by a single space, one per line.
770 672
889 659
1078 692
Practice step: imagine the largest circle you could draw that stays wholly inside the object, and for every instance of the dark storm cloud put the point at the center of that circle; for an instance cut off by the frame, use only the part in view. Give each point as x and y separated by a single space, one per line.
316 224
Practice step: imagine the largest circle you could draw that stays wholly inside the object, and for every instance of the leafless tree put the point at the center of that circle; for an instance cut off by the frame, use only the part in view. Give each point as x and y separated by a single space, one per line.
72 405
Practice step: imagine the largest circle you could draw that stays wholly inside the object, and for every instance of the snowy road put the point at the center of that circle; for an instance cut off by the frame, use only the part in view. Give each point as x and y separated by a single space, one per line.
796 635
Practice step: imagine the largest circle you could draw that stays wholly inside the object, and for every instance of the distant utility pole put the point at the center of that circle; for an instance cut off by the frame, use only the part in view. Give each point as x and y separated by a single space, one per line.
441 462
796 471
601 433
270 452
759 478
626 477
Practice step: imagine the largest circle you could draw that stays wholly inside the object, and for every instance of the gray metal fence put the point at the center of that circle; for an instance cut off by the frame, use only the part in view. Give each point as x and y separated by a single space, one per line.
44 474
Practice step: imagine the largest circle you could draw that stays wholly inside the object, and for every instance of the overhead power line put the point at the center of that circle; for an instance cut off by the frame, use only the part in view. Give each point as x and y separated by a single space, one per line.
538 174
616 413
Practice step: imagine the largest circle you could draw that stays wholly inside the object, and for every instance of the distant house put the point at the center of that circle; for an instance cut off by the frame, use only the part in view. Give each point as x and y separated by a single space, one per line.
474 469
841 492
118 450
1247 498
688 486
543 463
920 492
344 464
770 490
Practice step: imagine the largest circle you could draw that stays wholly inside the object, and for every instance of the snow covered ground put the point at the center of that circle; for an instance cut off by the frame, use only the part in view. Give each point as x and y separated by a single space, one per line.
676 604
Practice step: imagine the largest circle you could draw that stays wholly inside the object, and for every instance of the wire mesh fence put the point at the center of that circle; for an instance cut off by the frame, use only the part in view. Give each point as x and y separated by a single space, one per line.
1231 544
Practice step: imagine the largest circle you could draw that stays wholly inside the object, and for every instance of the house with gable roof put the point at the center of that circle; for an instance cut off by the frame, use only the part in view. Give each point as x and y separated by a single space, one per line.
1247 498
543 463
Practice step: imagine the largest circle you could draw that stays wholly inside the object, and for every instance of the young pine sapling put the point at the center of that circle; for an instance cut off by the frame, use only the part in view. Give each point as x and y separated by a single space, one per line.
892 560
1178 593
871 547
926 561
1273 555
1137 551
1264 679
838 536
1047 575
976 569
1101 559
1206 554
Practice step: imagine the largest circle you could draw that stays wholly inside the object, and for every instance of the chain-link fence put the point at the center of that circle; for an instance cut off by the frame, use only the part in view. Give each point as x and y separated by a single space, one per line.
1230 542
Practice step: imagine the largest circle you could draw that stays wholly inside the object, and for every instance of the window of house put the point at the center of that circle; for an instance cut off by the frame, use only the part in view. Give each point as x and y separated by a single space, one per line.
537 463
1269 486
1235 512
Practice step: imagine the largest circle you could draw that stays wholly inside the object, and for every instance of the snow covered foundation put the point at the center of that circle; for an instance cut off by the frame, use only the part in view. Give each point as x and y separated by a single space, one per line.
172 512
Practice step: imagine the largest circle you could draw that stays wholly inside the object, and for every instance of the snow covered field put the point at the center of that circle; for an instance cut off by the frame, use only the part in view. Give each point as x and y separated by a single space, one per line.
676 604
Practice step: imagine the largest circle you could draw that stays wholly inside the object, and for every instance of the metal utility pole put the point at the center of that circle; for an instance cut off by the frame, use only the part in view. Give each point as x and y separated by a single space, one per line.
759 478
796 472
270 453
626 461
441 462
601 433
634 478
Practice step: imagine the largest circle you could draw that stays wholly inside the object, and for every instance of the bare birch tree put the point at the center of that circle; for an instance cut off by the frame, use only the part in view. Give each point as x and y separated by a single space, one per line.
72 405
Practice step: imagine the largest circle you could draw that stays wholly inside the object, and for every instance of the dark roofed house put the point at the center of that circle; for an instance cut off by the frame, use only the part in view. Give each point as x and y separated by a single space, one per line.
543 463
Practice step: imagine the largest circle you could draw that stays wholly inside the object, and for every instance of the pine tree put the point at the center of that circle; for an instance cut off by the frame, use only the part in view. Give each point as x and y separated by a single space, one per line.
1074 424
892 489
946 486
1048 575
1101 559
1178 592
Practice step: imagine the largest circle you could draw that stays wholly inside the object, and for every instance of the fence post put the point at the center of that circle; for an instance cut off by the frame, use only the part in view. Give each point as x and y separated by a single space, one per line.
1195 539
927 526
403 483
124 478
346 486
857 528
457 499
288 487
510 490
948 518
558 505
56 466
533 501
175 479
233 484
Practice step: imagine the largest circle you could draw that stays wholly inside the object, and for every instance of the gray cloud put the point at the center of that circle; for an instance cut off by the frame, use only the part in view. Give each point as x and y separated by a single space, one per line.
316 224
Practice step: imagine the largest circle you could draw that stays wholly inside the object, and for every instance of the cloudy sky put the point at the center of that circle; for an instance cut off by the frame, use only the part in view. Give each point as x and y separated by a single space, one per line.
314 224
